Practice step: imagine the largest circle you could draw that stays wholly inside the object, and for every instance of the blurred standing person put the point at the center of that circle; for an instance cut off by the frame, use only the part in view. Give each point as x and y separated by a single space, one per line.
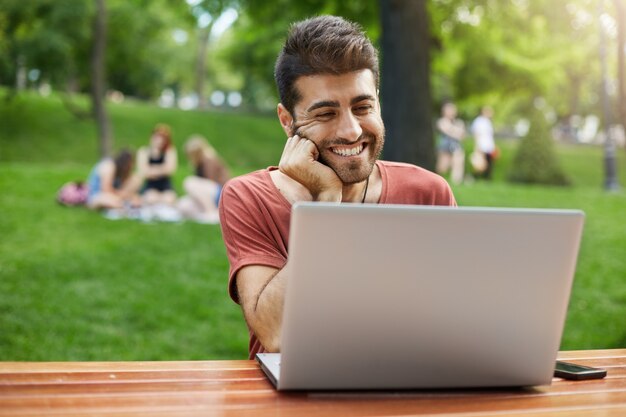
450 153
157 163
205 187
112 184
484 144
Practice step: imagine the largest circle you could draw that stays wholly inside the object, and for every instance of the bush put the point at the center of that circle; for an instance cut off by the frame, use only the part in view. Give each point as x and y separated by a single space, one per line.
535 161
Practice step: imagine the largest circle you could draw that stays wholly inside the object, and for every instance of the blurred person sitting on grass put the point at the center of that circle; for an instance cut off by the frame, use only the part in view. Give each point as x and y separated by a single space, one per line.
205 187
156 164
112 185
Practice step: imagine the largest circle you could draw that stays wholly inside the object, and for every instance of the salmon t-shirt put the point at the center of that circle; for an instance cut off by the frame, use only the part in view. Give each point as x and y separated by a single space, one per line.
255 216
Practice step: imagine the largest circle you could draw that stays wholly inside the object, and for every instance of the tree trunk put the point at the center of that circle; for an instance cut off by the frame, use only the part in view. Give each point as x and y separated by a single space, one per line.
98 80
203 43
405 91
620 11
20 74
203 46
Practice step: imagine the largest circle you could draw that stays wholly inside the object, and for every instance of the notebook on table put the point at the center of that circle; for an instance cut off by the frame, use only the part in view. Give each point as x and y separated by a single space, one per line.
402 297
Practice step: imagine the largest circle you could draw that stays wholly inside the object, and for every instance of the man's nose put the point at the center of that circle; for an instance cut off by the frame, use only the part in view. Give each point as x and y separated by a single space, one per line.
349 127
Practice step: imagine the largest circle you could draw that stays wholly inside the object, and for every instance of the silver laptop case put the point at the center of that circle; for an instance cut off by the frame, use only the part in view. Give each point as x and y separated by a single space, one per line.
389 297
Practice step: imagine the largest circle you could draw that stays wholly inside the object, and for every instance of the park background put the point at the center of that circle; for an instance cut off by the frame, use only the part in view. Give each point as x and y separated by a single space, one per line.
80 79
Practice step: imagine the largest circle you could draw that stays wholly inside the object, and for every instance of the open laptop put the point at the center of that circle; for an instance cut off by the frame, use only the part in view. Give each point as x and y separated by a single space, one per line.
401 297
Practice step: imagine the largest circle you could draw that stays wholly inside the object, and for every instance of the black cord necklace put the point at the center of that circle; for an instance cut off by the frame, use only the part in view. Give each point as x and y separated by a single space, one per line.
367 183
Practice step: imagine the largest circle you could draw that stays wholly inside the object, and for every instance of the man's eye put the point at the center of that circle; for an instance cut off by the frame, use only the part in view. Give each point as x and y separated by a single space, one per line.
326 115
363 109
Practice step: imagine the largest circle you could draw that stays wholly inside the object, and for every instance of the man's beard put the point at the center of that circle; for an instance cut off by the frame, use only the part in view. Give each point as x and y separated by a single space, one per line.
355 171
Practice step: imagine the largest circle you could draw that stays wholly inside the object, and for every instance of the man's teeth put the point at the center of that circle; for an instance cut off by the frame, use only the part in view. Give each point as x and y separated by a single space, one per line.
349 152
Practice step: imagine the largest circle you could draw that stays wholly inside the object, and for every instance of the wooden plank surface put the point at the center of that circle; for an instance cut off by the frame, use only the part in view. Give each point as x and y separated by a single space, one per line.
239 388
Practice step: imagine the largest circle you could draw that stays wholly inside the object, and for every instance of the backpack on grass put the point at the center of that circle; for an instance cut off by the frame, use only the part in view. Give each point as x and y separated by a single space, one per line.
73 193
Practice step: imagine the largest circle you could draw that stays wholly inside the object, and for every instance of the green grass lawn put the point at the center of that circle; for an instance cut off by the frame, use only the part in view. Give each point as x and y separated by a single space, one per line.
76 286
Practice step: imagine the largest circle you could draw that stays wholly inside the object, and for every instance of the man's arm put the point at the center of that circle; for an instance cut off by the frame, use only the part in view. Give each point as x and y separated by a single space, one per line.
261 288
262 296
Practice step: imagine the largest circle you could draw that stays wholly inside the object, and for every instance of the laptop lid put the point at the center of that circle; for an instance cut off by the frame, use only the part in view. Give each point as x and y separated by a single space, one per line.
390 296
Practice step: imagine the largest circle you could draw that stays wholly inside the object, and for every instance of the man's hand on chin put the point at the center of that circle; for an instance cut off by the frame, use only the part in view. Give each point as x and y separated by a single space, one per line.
299 161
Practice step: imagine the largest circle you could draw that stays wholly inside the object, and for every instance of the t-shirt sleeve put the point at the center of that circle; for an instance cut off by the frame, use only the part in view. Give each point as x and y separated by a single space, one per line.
435 190
249 237
445 196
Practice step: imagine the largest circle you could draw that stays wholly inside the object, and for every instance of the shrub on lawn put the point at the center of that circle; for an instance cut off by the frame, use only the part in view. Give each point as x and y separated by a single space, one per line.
535 161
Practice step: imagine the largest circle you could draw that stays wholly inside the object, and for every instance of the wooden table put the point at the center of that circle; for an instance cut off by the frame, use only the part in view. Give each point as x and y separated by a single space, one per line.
239 388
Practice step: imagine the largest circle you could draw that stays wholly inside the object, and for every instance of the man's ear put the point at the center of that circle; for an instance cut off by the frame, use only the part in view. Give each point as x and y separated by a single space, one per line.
285 118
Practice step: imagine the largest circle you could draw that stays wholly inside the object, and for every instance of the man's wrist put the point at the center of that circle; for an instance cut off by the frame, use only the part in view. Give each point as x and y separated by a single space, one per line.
330 196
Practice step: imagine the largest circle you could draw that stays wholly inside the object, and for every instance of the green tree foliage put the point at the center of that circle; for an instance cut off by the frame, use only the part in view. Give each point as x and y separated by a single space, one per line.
499 52
55 38
46 35
142 55
535 161
508 52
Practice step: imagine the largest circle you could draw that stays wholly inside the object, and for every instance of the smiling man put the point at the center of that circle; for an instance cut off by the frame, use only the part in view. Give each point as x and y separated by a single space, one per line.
327 78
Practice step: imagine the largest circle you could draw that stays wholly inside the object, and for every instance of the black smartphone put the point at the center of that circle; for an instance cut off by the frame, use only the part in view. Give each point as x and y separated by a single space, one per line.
568 370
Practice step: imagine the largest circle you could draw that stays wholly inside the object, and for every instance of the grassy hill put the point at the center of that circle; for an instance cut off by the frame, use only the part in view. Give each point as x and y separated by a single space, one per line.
36 129
76 286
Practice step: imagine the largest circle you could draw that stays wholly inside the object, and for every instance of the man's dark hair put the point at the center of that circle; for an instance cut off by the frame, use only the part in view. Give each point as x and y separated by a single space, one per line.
322 45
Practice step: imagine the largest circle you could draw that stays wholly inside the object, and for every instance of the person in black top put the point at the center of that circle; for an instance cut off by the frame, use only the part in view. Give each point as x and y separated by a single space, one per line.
156 164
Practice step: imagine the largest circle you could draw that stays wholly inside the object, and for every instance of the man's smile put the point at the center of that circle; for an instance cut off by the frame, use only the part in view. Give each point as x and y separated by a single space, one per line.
348 150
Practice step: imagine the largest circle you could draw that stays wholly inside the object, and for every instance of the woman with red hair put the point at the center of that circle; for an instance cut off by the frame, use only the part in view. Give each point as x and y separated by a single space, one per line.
156 164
